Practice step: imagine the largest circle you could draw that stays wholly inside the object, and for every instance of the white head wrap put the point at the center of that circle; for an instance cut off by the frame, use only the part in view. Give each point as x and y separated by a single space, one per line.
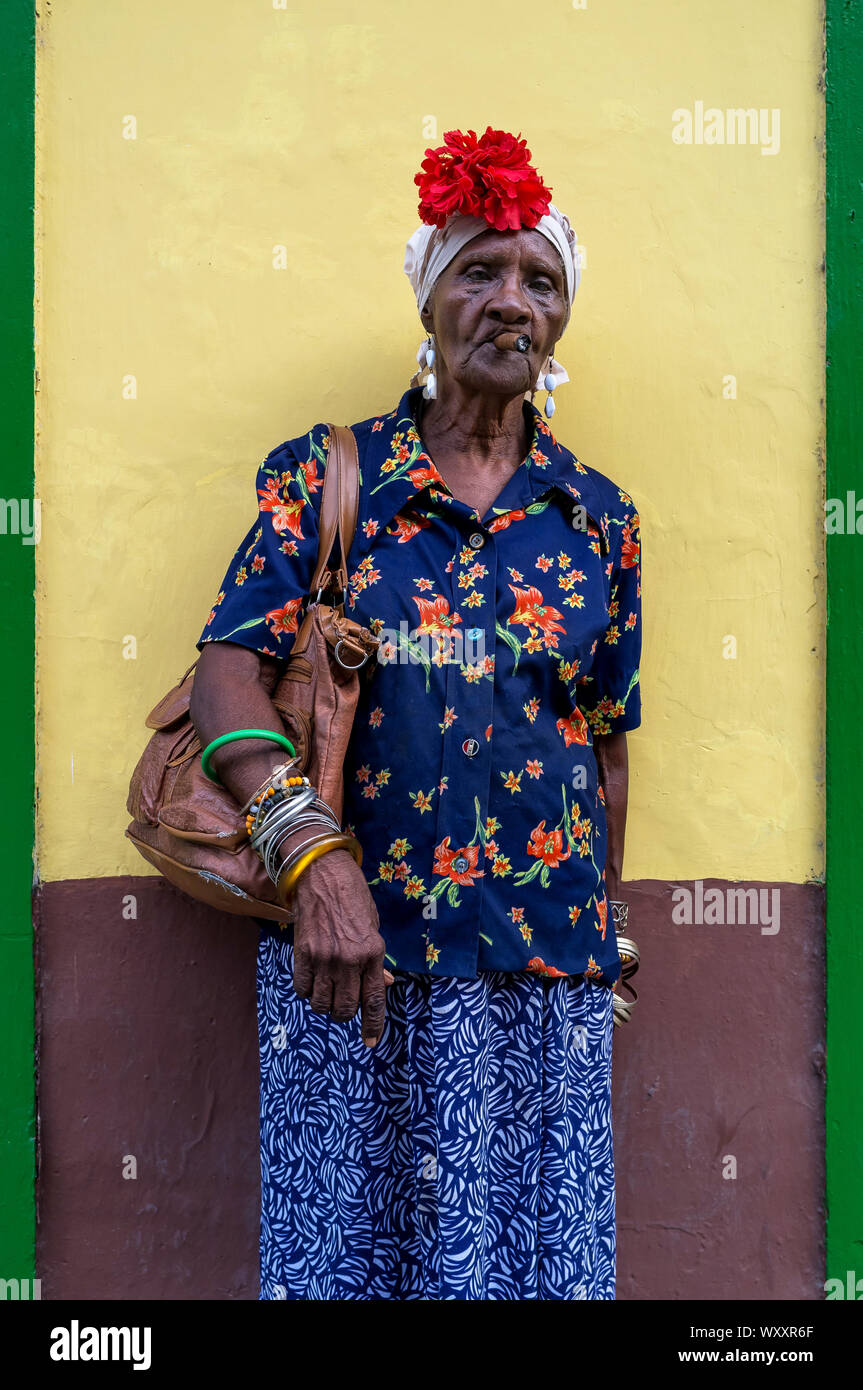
430 250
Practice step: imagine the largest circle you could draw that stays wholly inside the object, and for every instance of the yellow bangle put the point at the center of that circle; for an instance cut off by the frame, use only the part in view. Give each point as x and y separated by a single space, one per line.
287 881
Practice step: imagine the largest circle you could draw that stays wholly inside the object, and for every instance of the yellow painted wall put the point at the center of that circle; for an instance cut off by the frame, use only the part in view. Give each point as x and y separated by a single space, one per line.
259 126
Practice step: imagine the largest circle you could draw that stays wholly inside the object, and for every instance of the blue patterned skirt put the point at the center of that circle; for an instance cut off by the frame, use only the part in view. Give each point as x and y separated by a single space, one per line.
467 1156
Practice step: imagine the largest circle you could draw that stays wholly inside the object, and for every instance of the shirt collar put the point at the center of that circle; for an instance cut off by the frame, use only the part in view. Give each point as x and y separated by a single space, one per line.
397 469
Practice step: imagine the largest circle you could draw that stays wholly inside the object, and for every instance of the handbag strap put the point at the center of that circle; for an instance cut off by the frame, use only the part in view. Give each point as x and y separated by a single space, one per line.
339 506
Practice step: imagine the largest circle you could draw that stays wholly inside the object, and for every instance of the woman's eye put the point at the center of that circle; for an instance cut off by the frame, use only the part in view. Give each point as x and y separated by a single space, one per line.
480 273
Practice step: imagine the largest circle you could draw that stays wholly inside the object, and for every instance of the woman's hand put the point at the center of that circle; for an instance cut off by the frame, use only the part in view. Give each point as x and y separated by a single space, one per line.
338 949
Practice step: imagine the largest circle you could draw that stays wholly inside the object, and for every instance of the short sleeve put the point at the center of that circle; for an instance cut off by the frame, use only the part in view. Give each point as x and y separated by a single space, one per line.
268 579
609 695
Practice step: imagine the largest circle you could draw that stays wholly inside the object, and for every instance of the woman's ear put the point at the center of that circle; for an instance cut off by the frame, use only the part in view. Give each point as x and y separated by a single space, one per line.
426 318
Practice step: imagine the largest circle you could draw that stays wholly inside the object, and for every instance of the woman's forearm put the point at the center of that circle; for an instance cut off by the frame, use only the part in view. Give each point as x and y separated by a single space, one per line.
612 761
232 690
229 694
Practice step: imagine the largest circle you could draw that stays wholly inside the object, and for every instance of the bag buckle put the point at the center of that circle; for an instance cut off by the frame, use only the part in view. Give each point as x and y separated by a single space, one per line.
347 666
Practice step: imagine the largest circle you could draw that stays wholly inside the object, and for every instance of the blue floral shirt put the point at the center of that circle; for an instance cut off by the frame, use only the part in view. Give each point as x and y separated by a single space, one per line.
507 642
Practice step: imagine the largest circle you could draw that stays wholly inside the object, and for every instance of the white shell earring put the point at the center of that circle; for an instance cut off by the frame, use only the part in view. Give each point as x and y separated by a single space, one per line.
549 383
427 360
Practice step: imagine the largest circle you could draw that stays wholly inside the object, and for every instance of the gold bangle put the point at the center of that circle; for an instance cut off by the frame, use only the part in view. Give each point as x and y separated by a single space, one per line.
288 880
630 956
621 1010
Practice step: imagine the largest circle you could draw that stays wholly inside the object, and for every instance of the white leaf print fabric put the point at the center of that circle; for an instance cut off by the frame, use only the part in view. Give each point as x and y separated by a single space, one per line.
468 1156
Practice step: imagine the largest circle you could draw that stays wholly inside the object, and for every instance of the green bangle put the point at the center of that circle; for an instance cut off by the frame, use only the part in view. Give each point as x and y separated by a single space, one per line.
233 738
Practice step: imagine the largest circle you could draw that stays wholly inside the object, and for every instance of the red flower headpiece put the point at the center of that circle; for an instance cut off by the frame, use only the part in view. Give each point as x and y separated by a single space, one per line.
490 177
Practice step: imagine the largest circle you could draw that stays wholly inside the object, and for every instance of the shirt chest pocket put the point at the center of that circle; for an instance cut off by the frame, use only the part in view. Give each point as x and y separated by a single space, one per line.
402 590
556 601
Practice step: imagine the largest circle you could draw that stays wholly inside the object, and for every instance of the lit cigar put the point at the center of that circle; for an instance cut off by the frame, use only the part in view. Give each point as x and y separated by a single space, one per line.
520 342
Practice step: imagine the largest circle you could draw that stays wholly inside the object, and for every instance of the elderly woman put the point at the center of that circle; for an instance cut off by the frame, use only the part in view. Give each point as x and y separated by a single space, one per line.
435 1033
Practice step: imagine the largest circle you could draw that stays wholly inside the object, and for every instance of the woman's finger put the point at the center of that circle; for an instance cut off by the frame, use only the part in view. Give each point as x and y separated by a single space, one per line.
304 974
346 995
374 1004
321 1000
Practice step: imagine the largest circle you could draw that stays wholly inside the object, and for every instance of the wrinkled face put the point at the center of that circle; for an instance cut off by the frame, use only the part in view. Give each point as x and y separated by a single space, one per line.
498 282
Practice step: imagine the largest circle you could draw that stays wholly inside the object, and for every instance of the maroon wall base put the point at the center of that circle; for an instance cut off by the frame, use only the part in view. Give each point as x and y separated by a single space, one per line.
724 1056
148 1050
147 1047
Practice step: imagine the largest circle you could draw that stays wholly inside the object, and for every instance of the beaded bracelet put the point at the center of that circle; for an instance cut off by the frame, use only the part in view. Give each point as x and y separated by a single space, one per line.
282 770
270 790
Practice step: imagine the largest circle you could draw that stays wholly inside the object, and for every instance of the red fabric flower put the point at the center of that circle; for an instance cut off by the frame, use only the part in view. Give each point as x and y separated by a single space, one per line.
537 966
490 176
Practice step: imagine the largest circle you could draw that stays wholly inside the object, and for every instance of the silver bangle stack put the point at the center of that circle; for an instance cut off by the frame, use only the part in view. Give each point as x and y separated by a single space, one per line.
285 803
630 957
619 915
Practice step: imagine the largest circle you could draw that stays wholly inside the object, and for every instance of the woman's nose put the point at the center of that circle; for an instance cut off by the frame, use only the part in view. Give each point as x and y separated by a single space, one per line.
509 302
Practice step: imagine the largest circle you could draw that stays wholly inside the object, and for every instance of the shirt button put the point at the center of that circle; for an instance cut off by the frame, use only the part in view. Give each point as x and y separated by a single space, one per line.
470 747
476 540
460 863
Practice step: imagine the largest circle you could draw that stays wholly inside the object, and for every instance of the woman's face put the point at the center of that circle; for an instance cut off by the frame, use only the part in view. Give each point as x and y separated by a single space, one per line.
499 281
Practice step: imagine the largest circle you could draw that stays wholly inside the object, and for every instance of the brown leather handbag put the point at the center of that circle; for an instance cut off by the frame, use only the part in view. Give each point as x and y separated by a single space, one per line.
192 829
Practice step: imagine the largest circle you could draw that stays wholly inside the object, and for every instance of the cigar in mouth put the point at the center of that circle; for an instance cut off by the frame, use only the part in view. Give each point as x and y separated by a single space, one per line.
520 342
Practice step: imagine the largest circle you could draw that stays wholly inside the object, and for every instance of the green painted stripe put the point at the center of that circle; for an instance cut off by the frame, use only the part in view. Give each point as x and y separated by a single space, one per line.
844 644
844 637
17 1211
